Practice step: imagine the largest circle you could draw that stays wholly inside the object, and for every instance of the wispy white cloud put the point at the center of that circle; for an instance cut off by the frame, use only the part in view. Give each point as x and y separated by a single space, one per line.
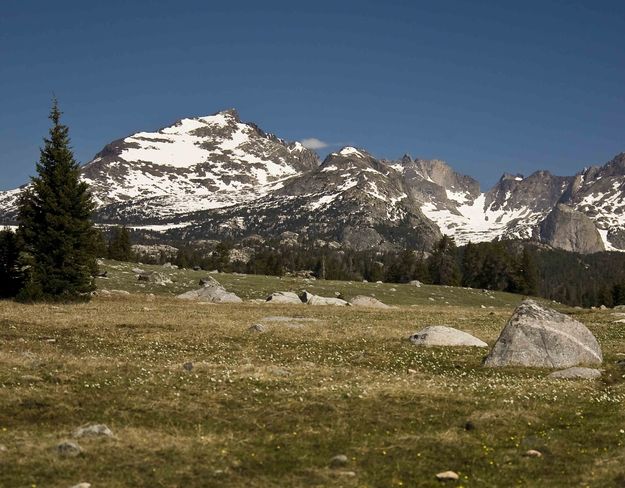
313 143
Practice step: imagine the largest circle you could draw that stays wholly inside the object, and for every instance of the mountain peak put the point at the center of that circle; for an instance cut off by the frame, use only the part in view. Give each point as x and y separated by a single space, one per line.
352 151
232 113
511 177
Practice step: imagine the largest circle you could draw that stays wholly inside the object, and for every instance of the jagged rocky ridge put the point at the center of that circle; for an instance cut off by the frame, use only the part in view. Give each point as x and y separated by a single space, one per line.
215 177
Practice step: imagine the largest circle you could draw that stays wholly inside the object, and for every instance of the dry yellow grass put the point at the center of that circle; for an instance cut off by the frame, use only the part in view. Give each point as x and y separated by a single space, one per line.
272 408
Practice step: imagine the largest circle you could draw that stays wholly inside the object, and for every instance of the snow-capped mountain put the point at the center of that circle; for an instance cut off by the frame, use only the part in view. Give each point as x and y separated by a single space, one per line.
215 177
196 164
351 198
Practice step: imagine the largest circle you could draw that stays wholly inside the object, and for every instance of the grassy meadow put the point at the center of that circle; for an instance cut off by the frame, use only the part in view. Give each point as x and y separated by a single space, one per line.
273 408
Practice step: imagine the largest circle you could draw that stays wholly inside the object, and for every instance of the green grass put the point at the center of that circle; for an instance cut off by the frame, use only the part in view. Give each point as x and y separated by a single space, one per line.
248 287
271 409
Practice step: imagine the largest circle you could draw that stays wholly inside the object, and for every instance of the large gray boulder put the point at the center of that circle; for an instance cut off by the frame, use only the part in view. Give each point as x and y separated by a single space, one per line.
316 300
211 294
365 301
537 336
286 297
568 229
441 335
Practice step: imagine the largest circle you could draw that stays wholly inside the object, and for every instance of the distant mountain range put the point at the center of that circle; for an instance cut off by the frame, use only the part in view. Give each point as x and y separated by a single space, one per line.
216 177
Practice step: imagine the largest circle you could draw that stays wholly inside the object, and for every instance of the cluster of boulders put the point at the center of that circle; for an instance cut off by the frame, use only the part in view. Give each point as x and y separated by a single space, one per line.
289 297
211 291
71 448
535 336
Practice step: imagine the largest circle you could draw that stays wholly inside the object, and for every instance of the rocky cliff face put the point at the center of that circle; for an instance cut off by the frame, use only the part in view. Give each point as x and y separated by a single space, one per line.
215 177
352 198
599 193
568 229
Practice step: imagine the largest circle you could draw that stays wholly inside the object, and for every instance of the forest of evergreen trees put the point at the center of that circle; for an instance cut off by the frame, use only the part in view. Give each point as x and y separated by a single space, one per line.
511 266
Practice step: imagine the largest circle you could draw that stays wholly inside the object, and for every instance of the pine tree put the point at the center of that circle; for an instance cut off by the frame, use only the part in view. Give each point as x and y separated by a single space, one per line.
119 247
10 273
443 263
472 262
529 272
55 224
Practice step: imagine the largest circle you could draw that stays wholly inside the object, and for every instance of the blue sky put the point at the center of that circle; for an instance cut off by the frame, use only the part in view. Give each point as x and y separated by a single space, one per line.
488 86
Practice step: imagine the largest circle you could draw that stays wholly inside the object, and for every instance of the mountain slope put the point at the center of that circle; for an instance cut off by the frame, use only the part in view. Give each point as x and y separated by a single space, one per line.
196 164
352 198
216 177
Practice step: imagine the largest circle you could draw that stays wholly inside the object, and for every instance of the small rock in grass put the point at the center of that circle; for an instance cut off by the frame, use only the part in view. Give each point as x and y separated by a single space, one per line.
257 328
284 297
441 335
277 371
3 448
447 476
82 485
412 371
68 449
533 453
188 366
119 292
365 301
338 461
347 474
31 379
576 373
93 430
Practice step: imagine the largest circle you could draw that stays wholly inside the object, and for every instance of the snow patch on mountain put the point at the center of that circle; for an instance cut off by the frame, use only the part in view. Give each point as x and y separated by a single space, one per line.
474 221
351 151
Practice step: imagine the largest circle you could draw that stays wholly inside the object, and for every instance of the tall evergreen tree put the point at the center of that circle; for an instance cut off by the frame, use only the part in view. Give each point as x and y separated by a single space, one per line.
55 224
443 264
472 262
529 272
119 247
10 273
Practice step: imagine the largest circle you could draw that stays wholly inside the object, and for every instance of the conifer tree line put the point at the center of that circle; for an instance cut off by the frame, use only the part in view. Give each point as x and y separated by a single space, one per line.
510 266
